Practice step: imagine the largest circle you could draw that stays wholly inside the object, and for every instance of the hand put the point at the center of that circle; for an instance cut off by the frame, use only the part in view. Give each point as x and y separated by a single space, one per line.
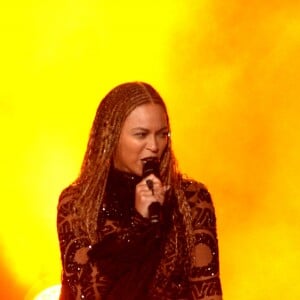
144 196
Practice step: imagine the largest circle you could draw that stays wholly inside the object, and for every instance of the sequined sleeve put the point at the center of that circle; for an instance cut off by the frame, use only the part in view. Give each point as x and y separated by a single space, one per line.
204 275
80 278
119 239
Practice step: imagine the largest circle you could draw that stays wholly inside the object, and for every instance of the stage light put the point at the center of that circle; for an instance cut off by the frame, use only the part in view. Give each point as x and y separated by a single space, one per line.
50 293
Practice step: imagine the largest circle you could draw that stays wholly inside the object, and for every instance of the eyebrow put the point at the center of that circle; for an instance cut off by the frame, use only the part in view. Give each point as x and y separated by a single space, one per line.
145 129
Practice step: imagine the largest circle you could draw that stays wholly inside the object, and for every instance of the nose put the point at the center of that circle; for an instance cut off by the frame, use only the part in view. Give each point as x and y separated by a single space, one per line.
152 144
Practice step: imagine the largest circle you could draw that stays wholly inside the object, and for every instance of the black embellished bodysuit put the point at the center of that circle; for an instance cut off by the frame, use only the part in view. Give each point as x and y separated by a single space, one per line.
136 260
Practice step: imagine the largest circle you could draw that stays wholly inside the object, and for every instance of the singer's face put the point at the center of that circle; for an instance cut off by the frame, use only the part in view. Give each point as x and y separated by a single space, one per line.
145 133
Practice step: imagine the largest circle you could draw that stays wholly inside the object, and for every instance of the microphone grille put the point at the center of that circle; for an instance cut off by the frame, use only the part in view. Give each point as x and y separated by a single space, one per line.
151 166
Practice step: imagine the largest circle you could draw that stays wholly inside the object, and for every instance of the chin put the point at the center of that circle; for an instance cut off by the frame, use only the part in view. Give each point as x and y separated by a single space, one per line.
135 171
138 173
138 170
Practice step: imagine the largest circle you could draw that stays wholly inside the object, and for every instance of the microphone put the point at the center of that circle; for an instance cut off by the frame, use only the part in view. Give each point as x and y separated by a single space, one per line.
151 166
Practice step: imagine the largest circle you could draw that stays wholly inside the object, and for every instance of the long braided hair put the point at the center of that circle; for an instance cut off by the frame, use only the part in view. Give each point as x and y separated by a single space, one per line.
103 140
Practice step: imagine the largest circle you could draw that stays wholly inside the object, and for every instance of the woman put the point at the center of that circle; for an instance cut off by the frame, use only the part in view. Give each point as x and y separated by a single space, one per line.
110 248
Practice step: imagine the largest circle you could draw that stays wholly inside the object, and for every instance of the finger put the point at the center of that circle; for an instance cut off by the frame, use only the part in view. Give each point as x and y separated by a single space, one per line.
153 178
166 188
150 185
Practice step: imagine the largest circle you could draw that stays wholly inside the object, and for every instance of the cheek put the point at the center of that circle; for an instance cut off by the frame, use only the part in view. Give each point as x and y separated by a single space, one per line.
129 149
162 149
136 150
163 144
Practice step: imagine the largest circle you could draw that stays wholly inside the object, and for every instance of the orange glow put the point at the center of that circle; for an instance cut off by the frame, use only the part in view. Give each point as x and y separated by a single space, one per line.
229 72
50 293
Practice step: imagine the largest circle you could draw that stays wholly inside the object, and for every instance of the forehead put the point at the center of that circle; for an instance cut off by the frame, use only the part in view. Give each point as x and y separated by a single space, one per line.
147 114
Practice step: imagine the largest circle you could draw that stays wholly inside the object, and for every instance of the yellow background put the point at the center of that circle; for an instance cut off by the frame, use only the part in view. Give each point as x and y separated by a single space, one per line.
229 72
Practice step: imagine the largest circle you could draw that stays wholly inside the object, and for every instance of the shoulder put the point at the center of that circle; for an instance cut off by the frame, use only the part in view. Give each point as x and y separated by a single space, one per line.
66 210
195 191
201 205
68 193
67 198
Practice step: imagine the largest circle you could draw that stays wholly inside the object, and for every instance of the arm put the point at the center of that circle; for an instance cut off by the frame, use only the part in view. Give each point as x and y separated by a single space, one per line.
124 227
121 244
204 276
89 270
80 278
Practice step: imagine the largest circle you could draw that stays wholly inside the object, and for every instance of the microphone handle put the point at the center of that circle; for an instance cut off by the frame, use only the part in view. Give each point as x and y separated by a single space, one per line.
154 212
151 166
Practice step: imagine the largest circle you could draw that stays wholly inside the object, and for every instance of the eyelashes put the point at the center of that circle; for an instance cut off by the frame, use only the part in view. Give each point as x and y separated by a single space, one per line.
142 135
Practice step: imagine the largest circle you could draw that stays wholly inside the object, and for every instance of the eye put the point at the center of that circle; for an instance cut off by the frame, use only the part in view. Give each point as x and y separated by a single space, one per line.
164 134
140 134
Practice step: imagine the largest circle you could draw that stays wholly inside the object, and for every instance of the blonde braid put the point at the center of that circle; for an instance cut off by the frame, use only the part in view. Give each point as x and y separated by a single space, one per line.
174 178
103 140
